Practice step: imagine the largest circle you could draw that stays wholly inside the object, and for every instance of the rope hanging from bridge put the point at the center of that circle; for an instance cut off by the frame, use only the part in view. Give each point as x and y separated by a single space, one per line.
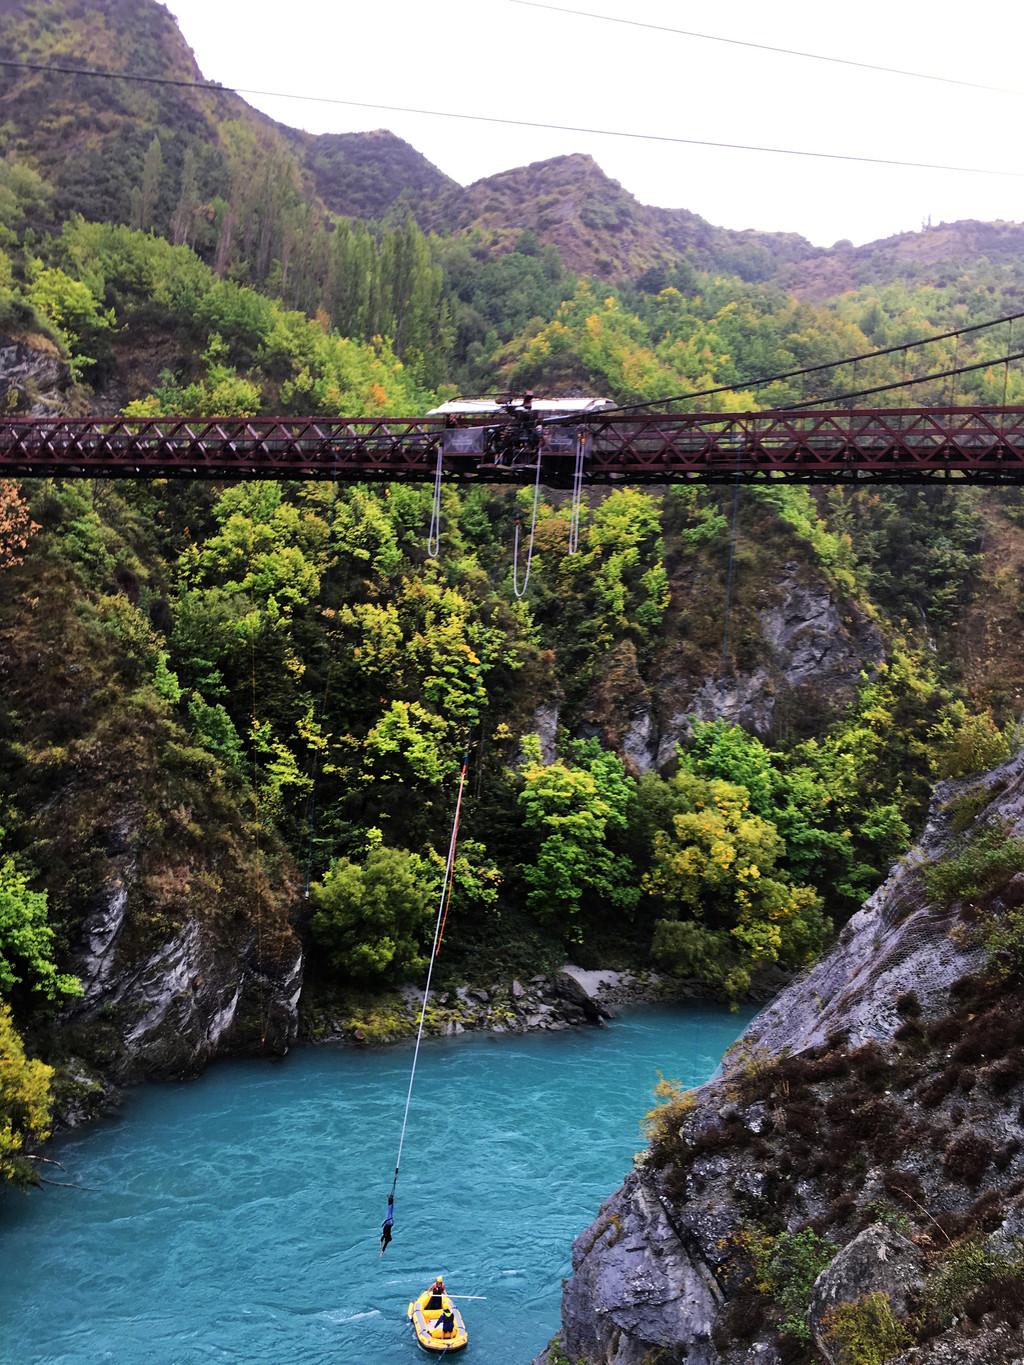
577 492
434 533
533 528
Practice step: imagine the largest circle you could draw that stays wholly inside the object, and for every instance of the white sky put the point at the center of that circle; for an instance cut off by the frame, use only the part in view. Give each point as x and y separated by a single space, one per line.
500 58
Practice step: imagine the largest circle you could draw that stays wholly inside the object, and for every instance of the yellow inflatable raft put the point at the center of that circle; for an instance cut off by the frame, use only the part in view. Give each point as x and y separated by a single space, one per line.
426 1323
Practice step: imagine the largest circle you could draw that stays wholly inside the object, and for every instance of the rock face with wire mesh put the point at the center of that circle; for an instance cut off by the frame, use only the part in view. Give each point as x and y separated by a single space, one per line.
855 1180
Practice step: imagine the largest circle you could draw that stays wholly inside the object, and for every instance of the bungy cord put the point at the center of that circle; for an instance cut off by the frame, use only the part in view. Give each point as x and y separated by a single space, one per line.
718 733
442 915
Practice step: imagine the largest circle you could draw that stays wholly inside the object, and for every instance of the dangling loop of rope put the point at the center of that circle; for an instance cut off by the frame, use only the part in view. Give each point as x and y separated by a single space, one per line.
533 528
434 534
577 492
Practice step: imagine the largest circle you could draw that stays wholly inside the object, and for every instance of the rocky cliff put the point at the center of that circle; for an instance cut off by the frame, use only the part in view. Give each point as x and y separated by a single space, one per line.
811 652
852 1188
170 901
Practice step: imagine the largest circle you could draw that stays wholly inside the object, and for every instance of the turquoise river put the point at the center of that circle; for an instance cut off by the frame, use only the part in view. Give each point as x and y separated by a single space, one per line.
236 1218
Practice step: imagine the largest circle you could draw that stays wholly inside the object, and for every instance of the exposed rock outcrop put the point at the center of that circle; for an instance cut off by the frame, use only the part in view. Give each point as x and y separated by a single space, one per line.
876 1107
187 999
34 380
570 998
813 652
175 904
170 1008
812 646
648 1291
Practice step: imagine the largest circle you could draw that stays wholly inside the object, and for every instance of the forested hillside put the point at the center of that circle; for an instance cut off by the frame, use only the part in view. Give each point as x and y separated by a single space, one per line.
232 718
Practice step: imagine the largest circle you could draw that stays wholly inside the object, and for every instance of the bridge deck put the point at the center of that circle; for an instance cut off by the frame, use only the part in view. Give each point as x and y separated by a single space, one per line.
881 445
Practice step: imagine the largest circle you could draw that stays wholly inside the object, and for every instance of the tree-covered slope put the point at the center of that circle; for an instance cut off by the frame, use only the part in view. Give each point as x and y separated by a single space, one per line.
198 166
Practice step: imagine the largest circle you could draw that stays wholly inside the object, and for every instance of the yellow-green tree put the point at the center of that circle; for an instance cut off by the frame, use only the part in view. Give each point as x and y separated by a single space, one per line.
729 909
24 1103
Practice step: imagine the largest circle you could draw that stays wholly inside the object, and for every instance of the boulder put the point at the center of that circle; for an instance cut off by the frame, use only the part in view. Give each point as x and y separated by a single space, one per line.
575 995
878 1260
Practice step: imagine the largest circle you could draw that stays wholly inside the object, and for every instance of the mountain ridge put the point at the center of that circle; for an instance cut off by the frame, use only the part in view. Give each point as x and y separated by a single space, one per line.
91 136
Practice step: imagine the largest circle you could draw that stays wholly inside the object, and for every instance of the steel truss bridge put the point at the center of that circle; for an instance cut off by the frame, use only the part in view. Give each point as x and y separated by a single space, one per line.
980 445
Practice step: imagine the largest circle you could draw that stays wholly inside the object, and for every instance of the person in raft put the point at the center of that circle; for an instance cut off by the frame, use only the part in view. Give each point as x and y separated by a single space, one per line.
446 1323
434 1303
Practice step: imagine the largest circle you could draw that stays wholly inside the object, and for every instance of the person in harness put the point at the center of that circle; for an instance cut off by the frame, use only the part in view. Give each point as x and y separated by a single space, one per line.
436 1301
388 1224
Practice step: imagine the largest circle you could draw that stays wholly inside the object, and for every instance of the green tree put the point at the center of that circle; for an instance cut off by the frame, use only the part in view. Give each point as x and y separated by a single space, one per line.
26 940
73 310
577 809
23 194
145 198
372 918
791 795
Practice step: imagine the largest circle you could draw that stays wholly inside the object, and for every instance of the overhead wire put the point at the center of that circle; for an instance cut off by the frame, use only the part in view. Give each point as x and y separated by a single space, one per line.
768 47
665 138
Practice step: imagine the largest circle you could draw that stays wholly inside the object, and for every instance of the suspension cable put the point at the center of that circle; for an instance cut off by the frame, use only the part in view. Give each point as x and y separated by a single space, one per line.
899 383
765 380
533 528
